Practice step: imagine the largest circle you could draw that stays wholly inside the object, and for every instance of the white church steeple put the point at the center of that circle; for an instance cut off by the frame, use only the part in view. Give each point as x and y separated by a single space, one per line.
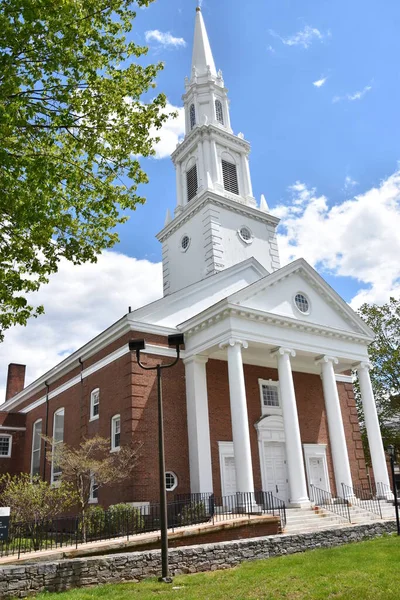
217 222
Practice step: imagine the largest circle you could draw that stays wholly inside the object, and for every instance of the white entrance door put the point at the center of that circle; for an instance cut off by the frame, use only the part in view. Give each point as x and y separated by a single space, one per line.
228 476
317 472
276 475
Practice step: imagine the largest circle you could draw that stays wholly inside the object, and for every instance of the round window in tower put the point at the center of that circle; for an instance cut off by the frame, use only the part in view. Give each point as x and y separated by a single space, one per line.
185 243
171 481
302 303
245 235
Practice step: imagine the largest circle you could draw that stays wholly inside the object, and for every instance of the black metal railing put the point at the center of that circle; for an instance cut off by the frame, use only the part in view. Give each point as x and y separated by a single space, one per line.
185 511
338 506
365 499
384 491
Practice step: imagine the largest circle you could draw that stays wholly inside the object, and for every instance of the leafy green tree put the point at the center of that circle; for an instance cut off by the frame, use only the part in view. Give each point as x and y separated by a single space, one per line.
92 464
385 376
33 501
73 121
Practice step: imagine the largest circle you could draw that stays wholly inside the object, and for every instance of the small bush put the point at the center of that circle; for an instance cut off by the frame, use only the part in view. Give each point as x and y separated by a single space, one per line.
193 513
123 519
93 524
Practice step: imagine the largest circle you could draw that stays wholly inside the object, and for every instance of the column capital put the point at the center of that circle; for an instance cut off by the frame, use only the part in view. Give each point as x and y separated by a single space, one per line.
234 342
282 351
326 359
196 358
363 365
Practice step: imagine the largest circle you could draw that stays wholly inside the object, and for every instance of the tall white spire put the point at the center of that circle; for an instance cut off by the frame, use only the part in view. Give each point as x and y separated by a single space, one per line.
202 58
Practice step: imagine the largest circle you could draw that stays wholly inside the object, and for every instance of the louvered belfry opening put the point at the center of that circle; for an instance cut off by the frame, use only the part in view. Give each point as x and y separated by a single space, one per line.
191 182
230 177
192 116
219 112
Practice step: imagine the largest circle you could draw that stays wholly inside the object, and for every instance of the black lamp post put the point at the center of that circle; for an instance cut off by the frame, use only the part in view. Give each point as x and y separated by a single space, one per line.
175 341
391 453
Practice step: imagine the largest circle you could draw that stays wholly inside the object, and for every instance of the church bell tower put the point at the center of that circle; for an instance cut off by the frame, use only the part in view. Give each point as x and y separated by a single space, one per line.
216 222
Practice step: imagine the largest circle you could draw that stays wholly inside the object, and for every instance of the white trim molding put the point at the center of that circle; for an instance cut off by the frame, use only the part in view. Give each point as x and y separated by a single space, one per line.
316 451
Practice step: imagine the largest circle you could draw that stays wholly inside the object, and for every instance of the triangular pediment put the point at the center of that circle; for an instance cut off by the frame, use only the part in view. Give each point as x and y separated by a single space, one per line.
276 293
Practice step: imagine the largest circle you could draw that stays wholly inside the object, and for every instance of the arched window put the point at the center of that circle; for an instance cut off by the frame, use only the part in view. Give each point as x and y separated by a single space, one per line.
192 116
219 112
36 447
58 438
229 173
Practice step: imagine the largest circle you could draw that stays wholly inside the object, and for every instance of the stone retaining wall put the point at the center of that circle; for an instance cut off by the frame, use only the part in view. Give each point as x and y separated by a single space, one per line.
30 579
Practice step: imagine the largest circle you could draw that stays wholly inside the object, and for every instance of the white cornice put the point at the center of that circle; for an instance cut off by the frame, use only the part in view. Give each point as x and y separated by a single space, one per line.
117 330
224 309
6 428
151 349
206 130
344 378
210 197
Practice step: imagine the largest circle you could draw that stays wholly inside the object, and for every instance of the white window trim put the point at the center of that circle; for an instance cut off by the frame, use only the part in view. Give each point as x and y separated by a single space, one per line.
91 499
59 411
182 249
304 314
269 410
176 481
7 435
250 241
33 441
92 394
115 448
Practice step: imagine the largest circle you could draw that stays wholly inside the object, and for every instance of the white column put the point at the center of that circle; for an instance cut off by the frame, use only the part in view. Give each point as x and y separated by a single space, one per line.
198 425
372 425
340 457
248 189
294 451
240 421
215 162
201 173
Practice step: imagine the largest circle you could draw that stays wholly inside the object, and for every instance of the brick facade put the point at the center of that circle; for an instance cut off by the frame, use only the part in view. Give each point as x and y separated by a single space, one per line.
127 390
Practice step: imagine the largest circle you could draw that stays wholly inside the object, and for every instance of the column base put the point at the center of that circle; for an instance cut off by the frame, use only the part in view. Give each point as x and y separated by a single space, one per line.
299 504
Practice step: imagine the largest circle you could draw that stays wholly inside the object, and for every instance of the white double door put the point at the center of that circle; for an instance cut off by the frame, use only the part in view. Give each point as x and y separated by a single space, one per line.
275 476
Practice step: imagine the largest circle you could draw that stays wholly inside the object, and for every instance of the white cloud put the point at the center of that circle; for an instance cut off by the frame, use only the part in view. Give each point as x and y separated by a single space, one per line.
303 38
80 302
320 82
349 183
358 238
171 133
351 97
164 39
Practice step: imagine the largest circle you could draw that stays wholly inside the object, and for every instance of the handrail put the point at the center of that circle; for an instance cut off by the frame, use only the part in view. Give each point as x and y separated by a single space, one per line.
383 490
339 506
363 498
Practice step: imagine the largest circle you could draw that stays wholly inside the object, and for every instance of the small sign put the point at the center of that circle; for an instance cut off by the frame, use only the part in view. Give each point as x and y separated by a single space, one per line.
4 523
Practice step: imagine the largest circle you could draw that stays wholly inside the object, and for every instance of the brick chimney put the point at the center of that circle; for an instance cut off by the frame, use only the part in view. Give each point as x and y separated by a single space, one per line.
15 380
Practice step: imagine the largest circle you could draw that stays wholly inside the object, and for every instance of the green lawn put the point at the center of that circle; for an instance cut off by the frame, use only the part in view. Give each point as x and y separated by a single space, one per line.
363 571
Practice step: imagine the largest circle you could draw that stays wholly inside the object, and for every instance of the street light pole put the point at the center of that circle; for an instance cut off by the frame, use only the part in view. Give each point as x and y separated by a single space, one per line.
391 453
136 346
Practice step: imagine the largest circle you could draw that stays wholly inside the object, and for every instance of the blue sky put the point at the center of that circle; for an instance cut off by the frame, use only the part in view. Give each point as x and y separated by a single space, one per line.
315 88
271 53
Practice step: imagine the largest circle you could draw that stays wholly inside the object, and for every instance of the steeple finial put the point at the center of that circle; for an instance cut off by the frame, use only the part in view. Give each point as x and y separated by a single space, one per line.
202 58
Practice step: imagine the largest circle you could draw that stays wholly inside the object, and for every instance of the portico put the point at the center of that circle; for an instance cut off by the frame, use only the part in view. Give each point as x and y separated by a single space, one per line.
288 459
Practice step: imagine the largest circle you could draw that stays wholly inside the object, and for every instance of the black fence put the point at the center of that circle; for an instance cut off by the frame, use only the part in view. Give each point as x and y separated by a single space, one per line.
121 522
338 506
384 491
365 499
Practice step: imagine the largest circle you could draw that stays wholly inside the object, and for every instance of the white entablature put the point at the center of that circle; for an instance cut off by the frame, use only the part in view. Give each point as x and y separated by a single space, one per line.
212 173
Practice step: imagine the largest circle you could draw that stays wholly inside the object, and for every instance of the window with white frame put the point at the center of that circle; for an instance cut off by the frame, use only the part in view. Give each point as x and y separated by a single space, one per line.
116 432
5 445
58 438
270 400
219 113
229 173
192 112
94 491
36 447
171 481
94 404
